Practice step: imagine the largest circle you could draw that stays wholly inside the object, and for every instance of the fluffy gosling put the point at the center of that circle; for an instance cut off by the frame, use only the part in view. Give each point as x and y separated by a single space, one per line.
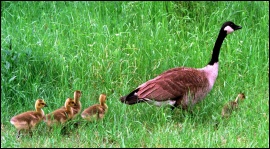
231 106
61 115
28 120
76 110
96 111
78 107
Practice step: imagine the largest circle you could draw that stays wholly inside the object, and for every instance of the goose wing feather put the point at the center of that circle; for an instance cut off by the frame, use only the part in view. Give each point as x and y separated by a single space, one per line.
173 83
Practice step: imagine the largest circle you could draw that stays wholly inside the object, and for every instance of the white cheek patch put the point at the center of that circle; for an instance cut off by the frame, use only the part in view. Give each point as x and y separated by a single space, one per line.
228 29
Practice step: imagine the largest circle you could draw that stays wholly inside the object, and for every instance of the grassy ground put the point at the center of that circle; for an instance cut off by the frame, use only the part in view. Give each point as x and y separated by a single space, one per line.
50 49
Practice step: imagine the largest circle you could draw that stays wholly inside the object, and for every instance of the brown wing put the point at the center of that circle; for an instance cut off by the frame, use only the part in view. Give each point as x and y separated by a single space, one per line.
27 117
94 109
58 114
173 83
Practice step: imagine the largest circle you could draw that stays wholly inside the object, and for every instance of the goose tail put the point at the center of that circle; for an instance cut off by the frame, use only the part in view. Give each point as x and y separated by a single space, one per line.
131 98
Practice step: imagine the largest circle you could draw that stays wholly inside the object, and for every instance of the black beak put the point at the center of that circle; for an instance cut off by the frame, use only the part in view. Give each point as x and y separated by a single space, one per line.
237 27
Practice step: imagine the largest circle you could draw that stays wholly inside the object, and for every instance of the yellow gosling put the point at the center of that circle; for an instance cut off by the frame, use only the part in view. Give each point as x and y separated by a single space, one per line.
231 106
76 109
242 96
61 115
97 111
28 120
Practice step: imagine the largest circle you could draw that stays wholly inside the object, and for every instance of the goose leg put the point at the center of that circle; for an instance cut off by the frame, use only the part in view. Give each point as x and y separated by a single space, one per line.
31 133
18 134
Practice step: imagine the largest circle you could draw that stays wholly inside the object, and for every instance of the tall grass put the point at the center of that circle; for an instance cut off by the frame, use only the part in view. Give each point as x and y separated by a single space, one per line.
50 49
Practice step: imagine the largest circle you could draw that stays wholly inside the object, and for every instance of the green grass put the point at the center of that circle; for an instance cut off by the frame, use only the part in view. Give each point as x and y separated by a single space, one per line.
50 49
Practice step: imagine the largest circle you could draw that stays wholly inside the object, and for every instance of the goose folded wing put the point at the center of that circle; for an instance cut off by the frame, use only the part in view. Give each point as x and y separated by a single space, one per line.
172 84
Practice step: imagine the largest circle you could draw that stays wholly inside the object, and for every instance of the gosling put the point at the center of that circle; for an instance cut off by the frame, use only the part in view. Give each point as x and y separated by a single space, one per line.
28 120
78 107
231 106
61 115
97 111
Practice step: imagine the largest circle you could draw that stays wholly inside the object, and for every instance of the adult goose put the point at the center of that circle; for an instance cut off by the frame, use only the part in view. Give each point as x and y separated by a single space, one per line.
182 86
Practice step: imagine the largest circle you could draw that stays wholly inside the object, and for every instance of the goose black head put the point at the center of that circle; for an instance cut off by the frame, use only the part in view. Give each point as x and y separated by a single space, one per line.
230 27
131 98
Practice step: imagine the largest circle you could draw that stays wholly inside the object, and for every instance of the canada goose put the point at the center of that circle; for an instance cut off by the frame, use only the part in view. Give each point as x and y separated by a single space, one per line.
28 120
181 86
76 109
96 111
232 105
61 115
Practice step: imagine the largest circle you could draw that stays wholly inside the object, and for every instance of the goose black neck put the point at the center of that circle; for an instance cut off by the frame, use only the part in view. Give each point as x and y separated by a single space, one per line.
216 50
